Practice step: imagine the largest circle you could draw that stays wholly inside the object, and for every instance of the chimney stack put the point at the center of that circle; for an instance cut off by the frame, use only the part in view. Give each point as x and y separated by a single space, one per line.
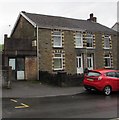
5 36
92 18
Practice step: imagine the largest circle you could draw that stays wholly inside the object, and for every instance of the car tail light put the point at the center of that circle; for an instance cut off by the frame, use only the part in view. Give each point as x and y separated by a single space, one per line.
100 78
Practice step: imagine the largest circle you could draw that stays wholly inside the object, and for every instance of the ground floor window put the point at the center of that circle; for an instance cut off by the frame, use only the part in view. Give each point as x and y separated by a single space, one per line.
107 60
58 61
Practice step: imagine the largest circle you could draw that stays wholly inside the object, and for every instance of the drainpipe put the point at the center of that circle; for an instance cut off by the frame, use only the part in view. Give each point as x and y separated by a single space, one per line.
37 54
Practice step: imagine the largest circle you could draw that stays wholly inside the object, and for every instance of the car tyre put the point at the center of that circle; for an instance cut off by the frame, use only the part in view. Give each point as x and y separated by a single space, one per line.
107 90
87 89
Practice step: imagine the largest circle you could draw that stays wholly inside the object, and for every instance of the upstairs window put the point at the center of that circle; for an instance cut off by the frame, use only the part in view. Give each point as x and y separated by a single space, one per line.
57 39
107 42
89 39
79 40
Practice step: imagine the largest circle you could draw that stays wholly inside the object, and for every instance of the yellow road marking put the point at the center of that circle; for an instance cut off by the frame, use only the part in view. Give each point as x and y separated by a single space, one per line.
22 106
13 100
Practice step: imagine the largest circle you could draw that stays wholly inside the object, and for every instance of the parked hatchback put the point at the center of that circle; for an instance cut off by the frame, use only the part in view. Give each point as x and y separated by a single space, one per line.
104 80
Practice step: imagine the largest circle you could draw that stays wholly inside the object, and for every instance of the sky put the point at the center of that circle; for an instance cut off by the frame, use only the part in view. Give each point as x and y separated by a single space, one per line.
104 10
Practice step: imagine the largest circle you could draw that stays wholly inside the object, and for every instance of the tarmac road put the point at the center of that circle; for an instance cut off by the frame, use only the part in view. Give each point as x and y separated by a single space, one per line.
82 105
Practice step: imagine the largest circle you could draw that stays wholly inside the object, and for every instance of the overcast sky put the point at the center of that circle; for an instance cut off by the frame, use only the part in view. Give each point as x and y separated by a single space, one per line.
104 10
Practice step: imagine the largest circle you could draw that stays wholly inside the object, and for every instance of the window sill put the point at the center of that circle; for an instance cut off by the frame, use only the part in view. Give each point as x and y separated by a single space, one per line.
78 47
106 48
58 47
58 69
108 67
90 47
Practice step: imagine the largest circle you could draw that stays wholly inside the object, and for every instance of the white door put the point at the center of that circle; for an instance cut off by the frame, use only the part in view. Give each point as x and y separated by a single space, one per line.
79 64
90 62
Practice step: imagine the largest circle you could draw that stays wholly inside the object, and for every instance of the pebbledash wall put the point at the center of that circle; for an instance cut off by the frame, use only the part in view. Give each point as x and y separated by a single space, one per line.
69 51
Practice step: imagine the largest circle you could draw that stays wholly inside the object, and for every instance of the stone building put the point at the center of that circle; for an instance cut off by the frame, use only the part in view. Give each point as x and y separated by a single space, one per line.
51 43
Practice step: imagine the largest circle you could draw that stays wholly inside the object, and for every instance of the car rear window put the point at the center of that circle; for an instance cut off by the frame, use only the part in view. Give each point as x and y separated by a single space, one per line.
93 74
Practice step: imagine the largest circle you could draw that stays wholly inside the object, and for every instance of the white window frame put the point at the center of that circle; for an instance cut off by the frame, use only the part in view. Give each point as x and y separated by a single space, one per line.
12 63
61 58
79 61
89 37
108 57
57 36
107 39
79 39
90 57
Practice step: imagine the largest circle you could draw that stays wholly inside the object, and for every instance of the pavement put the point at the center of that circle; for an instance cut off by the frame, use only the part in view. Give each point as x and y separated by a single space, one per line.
27 89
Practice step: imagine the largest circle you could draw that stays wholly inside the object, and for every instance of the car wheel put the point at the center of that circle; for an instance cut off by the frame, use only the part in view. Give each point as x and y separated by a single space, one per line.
88 89
107 90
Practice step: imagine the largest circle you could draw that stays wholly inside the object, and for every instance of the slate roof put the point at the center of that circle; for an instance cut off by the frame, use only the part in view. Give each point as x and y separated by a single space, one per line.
47 21
116 26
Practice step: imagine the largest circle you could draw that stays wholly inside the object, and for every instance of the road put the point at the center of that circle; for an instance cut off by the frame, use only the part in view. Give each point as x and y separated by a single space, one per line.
83 105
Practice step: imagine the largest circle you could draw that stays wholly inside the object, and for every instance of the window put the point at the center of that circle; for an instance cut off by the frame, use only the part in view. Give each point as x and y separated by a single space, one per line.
94 74
79 62
107 42
111 74
57 39
90 61
58 61
107 59
117 74
12 63
89 38
79 40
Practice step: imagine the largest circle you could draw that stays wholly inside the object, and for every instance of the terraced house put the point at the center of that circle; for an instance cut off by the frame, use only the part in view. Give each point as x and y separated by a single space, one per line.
51 43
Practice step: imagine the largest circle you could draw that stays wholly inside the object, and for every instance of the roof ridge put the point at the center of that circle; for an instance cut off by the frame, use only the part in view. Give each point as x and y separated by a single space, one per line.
54 16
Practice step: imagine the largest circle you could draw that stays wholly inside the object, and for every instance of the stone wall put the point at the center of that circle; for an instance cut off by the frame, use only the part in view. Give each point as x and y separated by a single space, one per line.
24 30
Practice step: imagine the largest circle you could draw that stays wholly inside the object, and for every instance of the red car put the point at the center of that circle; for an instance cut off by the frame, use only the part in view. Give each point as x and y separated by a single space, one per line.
102 80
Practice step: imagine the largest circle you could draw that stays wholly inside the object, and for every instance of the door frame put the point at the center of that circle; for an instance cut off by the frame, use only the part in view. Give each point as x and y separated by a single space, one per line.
79 65
91 58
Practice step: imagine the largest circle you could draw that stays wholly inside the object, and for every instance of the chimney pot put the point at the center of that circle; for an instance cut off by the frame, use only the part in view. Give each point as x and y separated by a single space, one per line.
91 15
92 18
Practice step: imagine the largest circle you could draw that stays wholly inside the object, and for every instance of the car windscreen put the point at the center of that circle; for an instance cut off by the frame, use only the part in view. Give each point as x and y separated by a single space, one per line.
93 74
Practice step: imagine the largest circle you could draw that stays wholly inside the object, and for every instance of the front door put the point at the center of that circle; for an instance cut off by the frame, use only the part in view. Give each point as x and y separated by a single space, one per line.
79 64
90 61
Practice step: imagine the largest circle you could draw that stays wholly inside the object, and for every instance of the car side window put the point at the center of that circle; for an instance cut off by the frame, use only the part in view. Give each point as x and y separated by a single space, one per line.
111 74
117 74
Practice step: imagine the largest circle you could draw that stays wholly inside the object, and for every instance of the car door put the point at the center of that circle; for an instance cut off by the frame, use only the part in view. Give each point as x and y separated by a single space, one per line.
113 80
117 76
